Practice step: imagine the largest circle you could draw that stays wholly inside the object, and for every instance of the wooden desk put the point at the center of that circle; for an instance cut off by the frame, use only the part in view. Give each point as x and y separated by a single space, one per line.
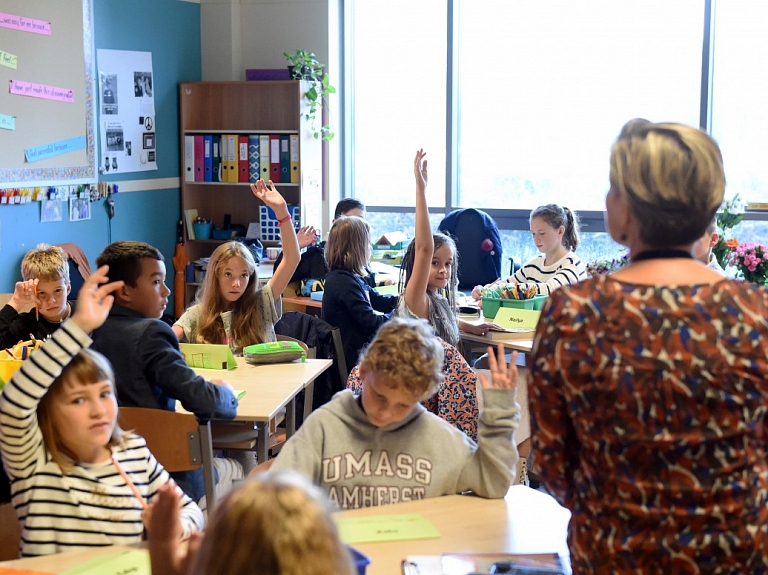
525 521
523 345
300 303
63 561
268 389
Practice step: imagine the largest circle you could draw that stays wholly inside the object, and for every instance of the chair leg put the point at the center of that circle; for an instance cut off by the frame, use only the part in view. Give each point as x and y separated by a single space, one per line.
206 442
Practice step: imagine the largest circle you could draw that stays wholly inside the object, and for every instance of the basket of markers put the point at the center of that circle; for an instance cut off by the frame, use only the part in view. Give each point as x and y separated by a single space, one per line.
502 294
12 358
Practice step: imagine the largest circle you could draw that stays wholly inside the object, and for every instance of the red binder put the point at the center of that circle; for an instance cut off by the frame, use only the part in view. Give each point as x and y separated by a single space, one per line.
242 158
199 158
274 157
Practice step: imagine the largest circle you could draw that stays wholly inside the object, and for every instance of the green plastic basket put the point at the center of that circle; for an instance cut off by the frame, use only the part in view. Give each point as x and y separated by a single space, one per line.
539 301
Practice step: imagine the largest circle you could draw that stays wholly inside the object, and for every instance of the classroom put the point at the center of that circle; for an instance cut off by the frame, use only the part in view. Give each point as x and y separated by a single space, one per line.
519 108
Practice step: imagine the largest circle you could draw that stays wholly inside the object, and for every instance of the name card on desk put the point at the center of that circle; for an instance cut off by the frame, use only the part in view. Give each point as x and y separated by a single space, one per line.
515 318
399 527
133 562
208 355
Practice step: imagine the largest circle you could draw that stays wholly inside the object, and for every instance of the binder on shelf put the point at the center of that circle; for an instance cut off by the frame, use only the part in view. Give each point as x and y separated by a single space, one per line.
264 156
199 158
215 158
274 157
253 157
242 158
207 158
224 153
231 157
189 158
294 151
285 159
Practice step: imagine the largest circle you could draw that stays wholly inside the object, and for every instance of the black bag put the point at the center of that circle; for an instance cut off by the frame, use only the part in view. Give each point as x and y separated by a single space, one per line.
311 266
254 246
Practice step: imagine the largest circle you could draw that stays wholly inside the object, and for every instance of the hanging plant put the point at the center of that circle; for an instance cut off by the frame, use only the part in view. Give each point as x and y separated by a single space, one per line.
305 66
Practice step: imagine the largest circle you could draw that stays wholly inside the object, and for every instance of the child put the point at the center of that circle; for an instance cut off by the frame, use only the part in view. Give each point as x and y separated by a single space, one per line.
429 273
78 480
350 303
702 248
555 232
271 523
149 368
45 274
383 447
231 285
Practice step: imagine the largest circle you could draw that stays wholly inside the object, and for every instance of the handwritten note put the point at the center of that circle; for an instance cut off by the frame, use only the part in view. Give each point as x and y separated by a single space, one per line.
42 91
25 24
7 122
8 60
400 527
54 149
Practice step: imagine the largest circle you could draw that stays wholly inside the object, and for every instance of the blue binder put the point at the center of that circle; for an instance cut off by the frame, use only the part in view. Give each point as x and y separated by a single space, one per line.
208 158
216 158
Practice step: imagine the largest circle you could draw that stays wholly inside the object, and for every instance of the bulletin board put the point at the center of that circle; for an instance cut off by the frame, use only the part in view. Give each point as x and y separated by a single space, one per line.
47 124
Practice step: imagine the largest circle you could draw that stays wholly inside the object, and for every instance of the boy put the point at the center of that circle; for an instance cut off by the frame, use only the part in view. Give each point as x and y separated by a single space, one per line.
702 248
149 368
45 274
383 447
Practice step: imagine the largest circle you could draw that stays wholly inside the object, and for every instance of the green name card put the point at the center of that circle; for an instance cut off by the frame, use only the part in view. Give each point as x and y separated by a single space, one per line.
512 317
208 355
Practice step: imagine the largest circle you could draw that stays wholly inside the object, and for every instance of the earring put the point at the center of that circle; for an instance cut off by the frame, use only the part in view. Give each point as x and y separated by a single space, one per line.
623 238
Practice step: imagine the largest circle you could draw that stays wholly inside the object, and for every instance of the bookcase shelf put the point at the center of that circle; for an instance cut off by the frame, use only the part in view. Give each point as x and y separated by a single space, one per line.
247 108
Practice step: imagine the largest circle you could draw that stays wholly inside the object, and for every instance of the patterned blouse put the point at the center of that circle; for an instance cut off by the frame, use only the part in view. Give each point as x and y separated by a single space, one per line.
647 406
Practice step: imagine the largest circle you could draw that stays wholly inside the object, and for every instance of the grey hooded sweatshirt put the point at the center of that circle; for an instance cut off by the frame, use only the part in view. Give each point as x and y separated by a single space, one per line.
360 465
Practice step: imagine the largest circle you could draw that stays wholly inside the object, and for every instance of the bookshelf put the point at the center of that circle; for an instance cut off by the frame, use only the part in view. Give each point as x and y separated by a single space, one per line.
250 108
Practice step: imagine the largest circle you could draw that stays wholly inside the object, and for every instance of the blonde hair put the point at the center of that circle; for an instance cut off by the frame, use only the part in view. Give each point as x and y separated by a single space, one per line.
86 368
46 263
246 328
349 245
406 353
272 524
672 178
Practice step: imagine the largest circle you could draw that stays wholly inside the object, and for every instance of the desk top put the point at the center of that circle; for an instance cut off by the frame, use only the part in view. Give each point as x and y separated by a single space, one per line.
525 521
268 387
523 345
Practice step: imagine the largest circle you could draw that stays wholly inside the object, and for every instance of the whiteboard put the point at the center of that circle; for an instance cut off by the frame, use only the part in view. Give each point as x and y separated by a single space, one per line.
53 139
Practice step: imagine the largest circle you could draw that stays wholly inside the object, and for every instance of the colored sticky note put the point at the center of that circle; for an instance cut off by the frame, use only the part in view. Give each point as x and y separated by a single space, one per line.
512 317
7 122
400 527
44 91
8 60
133 562
24 24
54 149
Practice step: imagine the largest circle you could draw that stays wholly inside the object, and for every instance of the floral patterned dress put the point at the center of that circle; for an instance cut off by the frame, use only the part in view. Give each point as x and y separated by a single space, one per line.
647 408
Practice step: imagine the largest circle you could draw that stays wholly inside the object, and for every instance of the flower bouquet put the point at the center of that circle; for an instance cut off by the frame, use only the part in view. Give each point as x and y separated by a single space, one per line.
605 266
729 218
750 261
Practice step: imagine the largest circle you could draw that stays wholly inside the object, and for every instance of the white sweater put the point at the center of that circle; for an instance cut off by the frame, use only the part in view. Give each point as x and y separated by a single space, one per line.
91 506
567 270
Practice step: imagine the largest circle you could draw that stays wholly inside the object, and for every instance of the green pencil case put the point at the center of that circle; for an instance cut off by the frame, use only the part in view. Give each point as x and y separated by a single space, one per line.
274 352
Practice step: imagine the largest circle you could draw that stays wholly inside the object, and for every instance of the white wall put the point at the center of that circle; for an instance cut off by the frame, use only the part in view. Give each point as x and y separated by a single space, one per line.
241 34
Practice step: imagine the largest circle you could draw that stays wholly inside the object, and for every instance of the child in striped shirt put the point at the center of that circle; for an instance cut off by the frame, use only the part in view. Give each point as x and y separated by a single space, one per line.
77 480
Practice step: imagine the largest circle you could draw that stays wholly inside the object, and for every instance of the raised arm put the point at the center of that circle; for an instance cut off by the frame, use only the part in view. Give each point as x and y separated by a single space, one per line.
291 256
416 290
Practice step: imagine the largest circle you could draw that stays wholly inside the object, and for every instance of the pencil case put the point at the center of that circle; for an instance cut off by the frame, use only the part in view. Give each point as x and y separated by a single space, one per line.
274 352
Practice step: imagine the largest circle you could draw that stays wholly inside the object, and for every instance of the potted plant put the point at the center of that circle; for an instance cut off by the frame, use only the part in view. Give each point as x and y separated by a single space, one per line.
305 66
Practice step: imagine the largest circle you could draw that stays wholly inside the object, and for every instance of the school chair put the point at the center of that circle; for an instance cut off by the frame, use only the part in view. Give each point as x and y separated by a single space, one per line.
177 440
10 532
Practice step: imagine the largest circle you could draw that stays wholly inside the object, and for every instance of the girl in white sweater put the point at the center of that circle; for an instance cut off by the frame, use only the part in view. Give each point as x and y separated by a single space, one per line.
77 480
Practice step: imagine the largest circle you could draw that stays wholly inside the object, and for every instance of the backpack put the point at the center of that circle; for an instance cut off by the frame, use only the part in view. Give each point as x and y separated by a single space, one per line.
311 266
479 245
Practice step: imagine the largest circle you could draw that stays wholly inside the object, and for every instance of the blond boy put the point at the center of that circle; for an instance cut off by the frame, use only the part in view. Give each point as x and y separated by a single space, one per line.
45 283
702 248
383 447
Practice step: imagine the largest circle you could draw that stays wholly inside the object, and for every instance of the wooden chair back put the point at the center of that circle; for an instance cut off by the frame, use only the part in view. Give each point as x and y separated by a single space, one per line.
10 533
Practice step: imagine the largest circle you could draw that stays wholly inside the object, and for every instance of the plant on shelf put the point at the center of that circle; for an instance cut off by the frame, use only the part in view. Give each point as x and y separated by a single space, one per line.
305 66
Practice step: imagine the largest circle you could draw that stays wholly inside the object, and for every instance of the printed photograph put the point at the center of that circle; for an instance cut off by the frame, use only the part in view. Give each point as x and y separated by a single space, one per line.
79 209
108 93
142 84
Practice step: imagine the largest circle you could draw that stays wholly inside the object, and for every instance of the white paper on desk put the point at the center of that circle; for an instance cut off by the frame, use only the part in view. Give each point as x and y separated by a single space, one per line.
423 565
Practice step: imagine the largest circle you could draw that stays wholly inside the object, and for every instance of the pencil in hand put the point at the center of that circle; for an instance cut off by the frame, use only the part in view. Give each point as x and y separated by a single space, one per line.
37 307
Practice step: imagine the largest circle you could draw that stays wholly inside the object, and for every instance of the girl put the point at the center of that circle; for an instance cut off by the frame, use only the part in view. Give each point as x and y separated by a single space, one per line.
271 523
349 303
555 232
231 285
428 275
77 479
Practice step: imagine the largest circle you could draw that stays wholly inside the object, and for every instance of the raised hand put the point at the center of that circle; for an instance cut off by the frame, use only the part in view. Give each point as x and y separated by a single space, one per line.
420 171
95 300
23 293
163 521
503 375
307 235
271 197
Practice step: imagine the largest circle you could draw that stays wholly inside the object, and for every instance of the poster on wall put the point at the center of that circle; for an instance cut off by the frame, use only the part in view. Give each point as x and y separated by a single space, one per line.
126 111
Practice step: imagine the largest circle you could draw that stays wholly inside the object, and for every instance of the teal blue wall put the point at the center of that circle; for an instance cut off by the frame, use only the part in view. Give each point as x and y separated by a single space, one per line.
170 29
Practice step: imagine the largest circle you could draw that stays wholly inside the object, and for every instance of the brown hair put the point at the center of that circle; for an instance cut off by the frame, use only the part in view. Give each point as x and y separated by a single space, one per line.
46 263
439 240
349 245
557 216
272 524
246 328
672 178
86 368
407 354
124 260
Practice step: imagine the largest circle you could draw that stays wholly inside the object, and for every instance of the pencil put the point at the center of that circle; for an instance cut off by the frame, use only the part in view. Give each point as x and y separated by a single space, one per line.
37 308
